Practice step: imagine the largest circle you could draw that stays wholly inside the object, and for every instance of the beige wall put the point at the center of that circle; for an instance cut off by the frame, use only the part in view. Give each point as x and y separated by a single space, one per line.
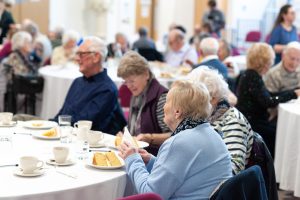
37 11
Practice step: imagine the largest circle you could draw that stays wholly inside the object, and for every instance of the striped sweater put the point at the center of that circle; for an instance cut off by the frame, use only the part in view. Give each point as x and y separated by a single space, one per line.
237 135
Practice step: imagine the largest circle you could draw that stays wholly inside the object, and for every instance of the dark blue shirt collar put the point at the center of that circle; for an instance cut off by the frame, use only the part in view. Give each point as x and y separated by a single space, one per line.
96 77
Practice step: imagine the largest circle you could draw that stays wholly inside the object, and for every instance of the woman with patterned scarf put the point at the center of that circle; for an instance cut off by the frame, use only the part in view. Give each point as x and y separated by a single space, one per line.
147 101
227 120
191 163
18 63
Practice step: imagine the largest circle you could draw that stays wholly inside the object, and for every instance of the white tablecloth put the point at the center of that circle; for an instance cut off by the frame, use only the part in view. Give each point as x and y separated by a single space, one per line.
58 80
287 151
90 183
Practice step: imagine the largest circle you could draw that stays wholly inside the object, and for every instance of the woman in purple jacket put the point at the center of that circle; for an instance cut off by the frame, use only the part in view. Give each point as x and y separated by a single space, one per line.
147 101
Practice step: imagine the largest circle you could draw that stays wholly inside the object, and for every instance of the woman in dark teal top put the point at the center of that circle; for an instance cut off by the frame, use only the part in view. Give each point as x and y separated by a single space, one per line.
283 31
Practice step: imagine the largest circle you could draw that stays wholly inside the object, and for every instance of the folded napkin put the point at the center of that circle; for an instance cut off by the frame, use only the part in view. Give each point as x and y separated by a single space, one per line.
128 138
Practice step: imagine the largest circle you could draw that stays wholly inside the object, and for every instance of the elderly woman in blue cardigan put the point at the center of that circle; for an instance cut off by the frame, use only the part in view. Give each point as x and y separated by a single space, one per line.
191 163
147 101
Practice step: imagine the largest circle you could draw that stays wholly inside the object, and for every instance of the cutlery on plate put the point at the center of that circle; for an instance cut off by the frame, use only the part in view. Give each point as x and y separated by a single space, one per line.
99 150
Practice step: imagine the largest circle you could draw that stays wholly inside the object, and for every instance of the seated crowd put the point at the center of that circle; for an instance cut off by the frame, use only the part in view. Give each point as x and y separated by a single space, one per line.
197 138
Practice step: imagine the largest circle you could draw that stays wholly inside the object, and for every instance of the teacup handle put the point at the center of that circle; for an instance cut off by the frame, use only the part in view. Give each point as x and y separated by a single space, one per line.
76 125
40 164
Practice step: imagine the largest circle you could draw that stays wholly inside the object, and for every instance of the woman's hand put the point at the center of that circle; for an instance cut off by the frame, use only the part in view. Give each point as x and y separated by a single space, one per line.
119 134
146 137
145 155
126 150
297 91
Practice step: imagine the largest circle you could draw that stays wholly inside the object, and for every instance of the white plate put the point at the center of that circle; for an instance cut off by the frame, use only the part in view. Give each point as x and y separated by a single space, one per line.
141 144
99 144
39 124
90 163
12 123
40 135
37 172
68 162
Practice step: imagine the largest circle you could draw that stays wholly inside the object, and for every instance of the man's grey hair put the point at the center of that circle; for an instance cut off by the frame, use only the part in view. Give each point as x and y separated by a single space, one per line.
19 39
292 45
70 35
97 45
212 79
209 46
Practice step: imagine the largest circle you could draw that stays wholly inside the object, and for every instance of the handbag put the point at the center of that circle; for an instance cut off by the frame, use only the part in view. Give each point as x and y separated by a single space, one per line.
28 84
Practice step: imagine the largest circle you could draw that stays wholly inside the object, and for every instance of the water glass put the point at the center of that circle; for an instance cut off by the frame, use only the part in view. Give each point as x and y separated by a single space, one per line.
66 134
64 120
82 150
6 145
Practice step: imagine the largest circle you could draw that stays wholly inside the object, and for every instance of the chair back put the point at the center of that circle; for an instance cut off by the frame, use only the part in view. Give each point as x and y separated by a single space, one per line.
253 36
261 156
151 54
146 196
248 184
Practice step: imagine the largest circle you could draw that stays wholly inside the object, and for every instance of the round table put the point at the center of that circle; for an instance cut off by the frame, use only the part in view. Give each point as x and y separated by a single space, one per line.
58 80
287 149
89 183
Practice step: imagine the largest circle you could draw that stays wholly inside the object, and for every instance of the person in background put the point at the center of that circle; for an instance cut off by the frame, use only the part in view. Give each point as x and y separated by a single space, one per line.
283 30
144 42
191 163
286 74
197 32
18 62
6 48
30 27
16 65
226 119
209 50
147 101
94 96
42 50
66 53
6 20
56 36
119 47
253 97
179 52
214 17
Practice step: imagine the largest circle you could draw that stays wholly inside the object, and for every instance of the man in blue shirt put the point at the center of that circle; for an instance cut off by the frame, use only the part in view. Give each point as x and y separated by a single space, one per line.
94 96
209 50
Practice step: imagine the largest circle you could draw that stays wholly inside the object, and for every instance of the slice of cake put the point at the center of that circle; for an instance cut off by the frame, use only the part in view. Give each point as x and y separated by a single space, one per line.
118 141
99 159
50 133
113 159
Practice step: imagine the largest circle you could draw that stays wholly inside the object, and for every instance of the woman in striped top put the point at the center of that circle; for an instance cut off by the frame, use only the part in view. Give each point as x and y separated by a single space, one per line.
227 120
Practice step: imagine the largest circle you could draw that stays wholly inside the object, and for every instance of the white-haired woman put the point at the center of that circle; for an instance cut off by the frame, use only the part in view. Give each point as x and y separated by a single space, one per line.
227 120
18 62
191 163
66 53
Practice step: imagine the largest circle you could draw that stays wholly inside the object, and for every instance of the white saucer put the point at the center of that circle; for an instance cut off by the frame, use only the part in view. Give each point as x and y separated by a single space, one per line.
10 124
99 144
38 172
68 162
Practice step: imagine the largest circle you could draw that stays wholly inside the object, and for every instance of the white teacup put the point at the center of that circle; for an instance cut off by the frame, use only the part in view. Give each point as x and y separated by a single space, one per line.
83 123
93 137
82 133
30 163
6 117
61 154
